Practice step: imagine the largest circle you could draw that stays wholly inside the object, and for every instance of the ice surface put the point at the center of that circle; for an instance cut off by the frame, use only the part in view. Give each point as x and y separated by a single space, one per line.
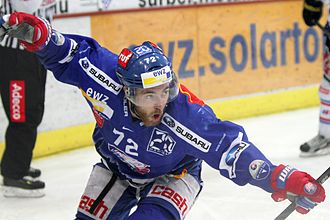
278 136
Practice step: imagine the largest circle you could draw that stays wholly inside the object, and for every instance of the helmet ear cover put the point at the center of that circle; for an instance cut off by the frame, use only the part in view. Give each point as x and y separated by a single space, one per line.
145 66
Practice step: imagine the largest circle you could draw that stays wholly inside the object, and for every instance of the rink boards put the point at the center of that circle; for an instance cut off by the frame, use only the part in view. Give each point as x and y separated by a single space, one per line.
224 50
244 59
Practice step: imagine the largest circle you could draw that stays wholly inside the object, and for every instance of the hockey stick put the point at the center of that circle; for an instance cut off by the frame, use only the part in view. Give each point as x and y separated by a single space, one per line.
286 212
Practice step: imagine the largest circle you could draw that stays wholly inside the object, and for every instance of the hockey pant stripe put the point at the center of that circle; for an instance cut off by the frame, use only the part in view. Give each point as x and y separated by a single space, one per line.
103 193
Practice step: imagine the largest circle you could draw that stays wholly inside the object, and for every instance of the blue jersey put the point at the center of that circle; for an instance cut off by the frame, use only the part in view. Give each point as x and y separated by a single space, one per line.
189 131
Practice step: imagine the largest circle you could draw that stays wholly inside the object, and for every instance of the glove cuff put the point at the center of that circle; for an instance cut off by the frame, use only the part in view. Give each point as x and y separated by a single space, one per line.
280 175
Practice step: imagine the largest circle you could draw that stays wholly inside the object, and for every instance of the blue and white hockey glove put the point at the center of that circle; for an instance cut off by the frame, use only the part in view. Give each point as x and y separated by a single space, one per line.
33 33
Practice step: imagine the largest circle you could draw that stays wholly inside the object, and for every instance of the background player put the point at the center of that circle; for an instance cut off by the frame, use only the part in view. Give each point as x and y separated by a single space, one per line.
320 144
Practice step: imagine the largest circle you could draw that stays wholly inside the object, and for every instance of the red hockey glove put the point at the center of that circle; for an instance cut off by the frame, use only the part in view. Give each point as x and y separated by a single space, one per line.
33 32
289 181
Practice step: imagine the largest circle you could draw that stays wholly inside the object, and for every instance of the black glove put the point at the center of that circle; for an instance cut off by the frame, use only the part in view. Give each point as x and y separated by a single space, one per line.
312 11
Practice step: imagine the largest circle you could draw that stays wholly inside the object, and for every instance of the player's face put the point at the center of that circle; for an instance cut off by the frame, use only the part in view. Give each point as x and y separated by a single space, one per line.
155 100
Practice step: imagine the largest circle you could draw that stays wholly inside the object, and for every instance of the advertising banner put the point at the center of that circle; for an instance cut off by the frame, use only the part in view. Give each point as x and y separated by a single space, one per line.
224 50
91 6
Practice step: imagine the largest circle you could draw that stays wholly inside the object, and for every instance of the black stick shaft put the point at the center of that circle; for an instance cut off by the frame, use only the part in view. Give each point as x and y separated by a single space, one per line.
288 210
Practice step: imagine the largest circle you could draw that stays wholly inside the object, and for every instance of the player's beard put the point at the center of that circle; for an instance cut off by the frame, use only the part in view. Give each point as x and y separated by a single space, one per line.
150 118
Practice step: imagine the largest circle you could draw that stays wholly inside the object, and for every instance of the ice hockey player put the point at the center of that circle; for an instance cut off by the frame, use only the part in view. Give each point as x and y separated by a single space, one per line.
152 133
320 144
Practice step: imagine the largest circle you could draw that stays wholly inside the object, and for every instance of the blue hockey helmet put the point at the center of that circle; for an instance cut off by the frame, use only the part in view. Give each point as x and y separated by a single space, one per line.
145 66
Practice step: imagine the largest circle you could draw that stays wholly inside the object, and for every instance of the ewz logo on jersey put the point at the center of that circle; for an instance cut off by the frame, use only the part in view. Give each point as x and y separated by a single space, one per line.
100 108
161 143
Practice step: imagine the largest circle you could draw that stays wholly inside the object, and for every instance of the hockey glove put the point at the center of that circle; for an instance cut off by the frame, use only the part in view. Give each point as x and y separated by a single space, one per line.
312 11
33 32
298 186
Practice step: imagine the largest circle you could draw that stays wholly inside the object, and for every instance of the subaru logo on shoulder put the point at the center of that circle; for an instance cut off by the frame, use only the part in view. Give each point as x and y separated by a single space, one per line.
169 121
85 64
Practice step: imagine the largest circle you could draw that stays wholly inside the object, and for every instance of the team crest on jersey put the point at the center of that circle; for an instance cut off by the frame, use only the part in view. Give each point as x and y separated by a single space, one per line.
186 134
100 107
161 143
99 76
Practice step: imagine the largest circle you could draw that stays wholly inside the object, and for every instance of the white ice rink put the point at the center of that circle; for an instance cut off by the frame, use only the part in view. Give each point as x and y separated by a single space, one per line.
278 136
